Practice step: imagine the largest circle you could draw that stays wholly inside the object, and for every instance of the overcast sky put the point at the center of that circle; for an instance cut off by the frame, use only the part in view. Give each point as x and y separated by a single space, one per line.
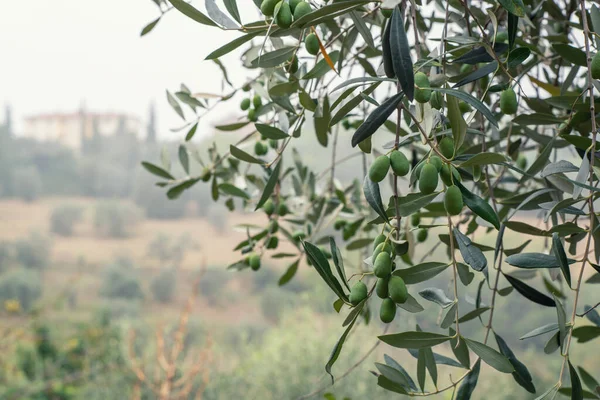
57 53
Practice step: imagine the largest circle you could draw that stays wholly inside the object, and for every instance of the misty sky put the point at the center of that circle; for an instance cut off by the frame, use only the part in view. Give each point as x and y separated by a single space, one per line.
57 53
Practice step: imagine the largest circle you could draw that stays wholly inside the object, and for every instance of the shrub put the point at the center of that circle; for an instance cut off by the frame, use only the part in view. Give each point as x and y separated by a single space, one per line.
33 252
212 285
6 254
116 219
274 302
20 284
121 282
63 219
27 183
163 286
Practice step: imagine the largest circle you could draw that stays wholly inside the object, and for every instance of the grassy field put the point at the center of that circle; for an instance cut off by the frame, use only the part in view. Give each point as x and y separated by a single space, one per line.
251 345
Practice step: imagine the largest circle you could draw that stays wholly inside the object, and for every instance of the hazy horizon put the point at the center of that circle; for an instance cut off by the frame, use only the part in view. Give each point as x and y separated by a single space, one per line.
113 68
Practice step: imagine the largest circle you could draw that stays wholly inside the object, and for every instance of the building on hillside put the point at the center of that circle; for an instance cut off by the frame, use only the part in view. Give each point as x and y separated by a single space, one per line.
73 130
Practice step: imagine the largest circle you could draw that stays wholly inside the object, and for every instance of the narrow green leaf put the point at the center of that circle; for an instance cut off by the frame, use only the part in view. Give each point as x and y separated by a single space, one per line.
191 132
513 26
515 7
460 349
469 383
481 55
376 119
472 255
586 333
394 364
473 314
270 185
184 158
328 12
490 356
351 104
589 380
271 132
540 331
420 273
400 51
571 54
373 196
158 171
148 28
472 101
176 191
479 206
521 374
393 375
534 260
321 120
232 190
529 292
362 28
243 156
576 389
477 74
338 261
337 349
229 47
483 159
414 340
273 58
457 122
518 56
411 305
413 202
561 256
437 296
191 12
232 8
175 105
289 273
232 127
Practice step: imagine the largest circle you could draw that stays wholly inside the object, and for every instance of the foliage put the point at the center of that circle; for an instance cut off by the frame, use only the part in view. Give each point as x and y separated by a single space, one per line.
21 284
469 94
63 219
33 251
121 281
115 219
171 251
163 286
27 183
212 286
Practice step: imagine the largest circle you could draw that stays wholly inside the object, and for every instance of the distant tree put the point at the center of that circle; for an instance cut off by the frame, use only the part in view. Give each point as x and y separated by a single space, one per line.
20 284
8 122
34 251
27 183
151 128
64 218
116 219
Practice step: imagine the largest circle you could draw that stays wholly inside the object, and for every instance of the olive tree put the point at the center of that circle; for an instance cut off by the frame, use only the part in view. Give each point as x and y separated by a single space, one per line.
484 103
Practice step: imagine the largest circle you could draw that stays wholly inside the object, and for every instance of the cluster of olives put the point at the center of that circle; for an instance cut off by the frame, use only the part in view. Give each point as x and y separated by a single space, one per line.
252 105
380 167
271 241
285 13
427 173
270 209
390 288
